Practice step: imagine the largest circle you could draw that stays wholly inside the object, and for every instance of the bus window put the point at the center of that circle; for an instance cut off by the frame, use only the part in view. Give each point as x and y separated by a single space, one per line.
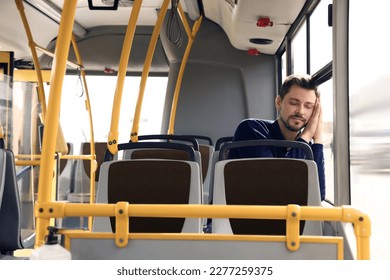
369 83
299 51
284 66
320 37
326 90
101 107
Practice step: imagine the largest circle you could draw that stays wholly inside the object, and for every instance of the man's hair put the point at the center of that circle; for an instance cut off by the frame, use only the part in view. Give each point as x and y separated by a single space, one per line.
303 81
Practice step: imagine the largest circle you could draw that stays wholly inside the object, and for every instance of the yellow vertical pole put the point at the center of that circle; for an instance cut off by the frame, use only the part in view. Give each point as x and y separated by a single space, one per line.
181 73
146 69
52 117
122 69
92 137
37 66
362 228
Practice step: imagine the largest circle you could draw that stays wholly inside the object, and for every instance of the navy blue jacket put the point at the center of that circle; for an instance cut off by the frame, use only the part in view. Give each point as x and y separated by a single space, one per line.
251 129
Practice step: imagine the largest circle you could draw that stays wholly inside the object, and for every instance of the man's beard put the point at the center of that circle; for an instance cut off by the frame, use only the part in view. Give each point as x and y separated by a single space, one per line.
291 128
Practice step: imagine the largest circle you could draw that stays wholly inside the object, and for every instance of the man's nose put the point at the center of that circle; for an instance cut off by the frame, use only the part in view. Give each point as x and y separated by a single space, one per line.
300 110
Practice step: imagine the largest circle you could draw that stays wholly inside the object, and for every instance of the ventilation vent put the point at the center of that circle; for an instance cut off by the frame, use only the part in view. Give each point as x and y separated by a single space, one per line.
260 41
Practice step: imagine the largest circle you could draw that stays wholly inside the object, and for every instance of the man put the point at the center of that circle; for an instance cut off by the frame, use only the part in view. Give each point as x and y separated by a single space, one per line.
299 119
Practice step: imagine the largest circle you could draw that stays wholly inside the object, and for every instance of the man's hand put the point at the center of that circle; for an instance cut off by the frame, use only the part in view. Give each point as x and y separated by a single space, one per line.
313 129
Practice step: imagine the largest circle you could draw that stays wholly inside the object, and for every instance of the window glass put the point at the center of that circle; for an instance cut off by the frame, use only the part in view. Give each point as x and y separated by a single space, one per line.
369 83
74 117
284 66
320 37
299 51
326 91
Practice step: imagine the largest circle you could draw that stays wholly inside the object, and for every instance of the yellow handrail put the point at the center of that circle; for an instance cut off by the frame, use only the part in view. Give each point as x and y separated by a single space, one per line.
53 112
37 66
291 213
181 73
145 71
92 137
112 143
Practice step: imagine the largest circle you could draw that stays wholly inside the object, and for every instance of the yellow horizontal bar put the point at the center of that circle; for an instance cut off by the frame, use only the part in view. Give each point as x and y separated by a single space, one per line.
360 221
193 211
197 236
83 157
26 75
32 156
27 162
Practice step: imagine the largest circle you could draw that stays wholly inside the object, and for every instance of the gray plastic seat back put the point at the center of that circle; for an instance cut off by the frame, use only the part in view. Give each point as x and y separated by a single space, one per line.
2 174
265 181
10 229
150 181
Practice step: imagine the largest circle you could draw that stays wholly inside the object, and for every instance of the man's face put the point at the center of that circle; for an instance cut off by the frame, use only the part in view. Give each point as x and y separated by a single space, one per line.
296 107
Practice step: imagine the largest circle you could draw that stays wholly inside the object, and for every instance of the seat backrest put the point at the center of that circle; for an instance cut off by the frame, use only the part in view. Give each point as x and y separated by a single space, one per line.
203 157
10 214
66 175
100 150
83 169
157 150
162 150
150 181
206 149
2 173
214 159
224 151
265 181
221 141
206 152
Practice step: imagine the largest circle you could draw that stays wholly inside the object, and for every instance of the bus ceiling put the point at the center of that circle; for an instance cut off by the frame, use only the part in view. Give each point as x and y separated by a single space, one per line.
256 30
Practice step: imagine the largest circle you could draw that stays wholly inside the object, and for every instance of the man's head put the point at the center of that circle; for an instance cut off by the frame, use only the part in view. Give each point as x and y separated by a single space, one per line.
302 81
295 101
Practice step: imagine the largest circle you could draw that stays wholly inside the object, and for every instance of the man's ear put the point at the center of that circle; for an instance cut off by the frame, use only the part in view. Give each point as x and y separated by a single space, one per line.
278 103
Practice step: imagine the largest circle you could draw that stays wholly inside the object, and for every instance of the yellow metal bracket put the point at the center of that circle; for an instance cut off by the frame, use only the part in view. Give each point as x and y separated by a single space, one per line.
49 210
292 227
121 224
362 230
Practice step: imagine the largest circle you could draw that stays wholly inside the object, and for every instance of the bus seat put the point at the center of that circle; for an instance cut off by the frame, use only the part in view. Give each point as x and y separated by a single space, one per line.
10 213
265 181
167 150
164 153
66 175
221 141
203 157
83 168
157 150
206 149
214 158
224 144
206 152
2 173
150 181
